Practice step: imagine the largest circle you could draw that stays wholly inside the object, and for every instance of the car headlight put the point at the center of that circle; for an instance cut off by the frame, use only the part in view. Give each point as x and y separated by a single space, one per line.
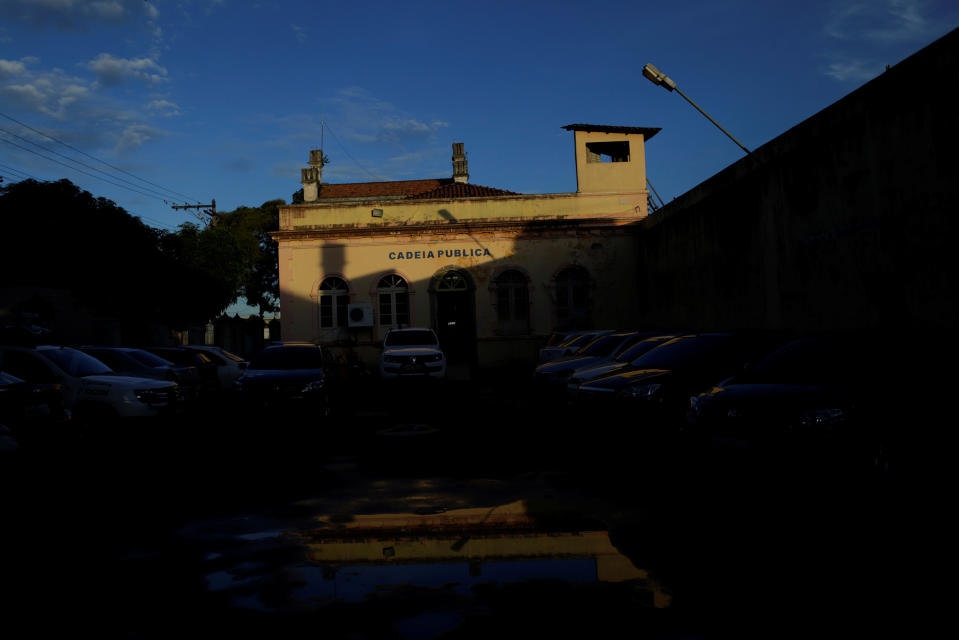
641 391
392 359
822 418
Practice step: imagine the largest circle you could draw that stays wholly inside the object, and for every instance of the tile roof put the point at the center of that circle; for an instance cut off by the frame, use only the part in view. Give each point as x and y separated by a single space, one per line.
395 188
462 190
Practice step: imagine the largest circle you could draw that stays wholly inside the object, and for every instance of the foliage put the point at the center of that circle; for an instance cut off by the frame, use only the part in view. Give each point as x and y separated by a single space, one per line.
56 235
59 236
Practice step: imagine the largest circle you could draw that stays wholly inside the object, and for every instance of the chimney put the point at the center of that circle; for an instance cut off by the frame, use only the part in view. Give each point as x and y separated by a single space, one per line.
312 175
460 172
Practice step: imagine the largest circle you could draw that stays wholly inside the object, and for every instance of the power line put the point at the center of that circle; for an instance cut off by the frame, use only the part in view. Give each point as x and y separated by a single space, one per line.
98 159
337 138
158 223
84 164
116 184
21 173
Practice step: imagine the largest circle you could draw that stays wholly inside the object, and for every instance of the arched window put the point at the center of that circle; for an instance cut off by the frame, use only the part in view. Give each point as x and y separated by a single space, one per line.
452 281
394 301
512 303
572 298
334 297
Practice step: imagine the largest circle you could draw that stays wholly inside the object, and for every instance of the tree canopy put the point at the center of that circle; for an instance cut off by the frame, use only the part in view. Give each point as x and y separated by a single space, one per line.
59 236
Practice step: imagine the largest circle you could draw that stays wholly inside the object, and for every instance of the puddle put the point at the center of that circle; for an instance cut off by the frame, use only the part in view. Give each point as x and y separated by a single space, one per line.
450 553
259 535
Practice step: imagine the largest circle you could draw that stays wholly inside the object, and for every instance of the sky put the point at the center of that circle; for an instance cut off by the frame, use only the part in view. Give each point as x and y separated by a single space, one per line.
152 103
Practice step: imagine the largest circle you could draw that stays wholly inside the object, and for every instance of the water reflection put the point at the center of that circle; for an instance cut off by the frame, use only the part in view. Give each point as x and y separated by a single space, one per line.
460 549
425 573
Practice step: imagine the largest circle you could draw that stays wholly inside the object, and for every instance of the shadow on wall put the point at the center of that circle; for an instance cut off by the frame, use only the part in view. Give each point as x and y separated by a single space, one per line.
481 316
845 221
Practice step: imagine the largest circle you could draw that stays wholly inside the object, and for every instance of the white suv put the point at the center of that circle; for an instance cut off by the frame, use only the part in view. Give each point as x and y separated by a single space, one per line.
89 386
412 352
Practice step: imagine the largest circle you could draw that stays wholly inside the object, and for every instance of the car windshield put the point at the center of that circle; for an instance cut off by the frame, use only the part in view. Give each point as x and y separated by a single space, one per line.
680 352
410 337
811 361
284 358
230 356
116 360
9 378
639 349
75 362
149 359
602 346
578 341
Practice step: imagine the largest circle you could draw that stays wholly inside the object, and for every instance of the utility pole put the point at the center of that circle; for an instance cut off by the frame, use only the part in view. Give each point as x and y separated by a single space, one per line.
208 209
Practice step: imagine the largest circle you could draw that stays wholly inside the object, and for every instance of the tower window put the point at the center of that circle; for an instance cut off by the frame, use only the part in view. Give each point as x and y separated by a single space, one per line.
607 151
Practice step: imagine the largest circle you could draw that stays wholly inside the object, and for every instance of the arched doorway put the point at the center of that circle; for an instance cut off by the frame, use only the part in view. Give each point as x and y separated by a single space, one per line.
454 314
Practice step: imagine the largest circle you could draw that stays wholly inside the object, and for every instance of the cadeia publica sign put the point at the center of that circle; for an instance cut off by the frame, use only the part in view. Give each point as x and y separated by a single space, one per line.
432 254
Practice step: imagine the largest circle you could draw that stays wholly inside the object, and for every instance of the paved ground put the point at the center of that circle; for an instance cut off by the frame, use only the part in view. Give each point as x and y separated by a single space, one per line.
186 526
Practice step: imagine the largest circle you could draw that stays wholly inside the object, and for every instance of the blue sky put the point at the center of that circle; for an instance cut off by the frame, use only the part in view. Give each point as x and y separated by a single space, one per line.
224 98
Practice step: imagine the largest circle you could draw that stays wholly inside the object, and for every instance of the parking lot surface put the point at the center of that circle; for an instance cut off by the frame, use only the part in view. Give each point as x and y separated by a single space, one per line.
456 508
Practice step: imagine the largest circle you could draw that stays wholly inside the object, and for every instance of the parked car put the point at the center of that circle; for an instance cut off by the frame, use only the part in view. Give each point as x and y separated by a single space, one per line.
229 366
818 395
620 361
209 380
143 364
554 374
31 410
573 341
291 376
413 352
90 388
657 386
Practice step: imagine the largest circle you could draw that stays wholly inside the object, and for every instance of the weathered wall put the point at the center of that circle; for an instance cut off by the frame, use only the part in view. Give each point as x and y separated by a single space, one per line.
623 205
845 221
419 253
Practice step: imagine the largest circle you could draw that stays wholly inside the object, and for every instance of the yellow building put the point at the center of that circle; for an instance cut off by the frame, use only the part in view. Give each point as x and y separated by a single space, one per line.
493 272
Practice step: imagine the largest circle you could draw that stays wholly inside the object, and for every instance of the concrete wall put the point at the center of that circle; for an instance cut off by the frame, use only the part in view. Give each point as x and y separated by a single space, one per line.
845 221
601 177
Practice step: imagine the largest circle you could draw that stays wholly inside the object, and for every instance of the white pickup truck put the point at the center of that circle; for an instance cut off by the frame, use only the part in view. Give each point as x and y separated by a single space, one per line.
412 352
89 386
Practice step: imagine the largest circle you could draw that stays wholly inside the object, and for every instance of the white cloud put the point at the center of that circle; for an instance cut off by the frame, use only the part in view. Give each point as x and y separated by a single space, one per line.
883 21
164 108
366 137
863 33
51 93
136 135
299 33
110 70
398 130
852 71
11 68
77 14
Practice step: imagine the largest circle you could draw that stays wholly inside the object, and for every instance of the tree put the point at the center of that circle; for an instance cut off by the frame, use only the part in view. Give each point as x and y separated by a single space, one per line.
58 236
234 256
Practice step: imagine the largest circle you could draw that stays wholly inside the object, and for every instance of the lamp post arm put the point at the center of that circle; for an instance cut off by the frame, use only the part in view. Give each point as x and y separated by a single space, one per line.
711 120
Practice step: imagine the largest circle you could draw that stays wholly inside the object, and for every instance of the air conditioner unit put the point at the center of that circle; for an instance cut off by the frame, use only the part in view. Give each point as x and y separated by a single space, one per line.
360 314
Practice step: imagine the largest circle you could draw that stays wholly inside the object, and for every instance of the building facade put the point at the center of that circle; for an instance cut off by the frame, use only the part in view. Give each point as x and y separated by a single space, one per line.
493 272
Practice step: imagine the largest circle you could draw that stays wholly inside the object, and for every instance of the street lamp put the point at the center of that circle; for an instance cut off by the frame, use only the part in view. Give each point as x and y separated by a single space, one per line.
656 76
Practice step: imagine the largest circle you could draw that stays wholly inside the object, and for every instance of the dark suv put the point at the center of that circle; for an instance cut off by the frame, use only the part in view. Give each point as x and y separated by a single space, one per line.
288 376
